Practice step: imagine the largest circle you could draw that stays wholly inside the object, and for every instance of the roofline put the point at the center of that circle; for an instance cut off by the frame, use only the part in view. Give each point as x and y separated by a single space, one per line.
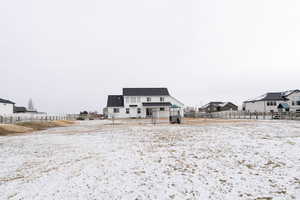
284 96
8 102
177 100
296 90
263 100
145 88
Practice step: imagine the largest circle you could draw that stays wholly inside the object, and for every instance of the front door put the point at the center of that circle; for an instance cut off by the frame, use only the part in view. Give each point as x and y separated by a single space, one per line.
133 112
148 112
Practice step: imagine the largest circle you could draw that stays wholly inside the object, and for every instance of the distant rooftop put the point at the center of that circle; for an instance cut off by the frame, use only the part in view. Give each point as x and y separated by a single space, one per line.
273 96
6 101
115 101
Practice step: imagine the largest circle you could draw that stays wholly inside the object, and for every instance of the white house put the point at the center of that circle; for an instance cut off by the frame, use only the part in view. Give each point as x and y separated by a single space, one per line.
274 101
6 107
141 103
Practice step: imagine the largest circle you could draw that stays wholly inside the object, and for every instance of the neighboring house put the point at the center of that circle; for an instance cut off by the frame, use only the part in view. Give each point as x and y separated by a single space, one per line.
18 109
218 106
274 102
141 103
6 107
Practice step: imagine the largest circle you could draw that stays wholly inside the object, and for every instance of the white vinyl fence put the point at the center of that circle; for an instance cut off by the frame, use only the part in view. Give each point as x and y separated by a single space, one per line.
15 118
246 115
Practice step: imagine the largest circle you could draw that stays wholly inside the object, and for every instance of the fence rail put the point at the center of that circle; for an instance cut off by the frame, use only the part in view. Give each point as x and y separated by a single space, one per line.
12 119
246 115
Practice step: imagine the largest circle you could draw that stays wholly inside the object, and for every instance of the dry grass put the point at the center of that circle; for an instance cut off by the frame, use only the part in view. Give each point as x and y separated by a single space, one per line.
203 121
6 129
26 127
45 125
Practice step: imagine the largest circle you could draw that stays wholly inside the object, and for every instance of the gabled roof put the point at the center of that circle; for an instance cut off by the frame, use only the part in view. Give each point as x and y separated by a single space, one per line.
271 96
6 101
289 92
115 101
145 92
274 96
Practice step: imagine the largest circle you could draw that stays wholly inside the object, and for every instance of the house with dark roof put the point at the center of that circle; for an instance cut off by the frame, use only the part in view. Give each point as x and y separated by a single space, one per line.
20 109
217 106
274 102
141 103
6 107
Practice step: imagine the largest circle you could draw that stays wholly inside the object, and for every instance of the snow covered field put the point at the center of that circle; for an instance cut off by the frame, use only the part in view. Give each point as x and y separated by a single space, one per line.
135 161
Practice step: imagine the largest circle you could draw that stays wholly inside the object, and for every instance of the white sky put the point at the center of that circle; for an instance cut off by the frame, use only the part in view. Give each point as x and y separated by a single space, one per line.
68 55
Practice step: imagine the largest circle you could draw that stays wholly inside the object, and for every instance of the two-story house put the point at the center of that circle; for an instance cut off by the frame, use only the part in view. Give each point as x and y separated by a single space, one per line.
141 103
274 101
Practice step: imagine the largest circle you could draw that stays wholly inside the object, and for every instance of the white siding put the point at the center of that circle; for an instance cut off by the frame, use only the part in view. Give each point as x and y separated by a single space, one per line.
120 114
295 97
138 101
261 106
6 109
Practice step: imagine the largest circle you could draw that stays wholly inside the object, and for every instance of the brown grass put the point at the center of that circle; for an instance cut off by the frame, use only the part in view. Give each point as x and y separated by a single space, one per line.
6 129
26 127
203 121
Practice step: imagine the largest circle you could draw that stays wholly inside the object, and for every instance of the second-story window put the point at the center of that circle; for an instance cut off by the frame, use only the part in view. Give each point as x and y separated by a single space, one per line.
162 99
148 99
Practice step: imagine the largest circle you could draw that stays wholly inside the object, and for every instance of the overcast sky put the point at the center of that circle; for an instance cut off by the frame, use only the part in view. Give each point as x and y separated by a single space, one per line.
68 55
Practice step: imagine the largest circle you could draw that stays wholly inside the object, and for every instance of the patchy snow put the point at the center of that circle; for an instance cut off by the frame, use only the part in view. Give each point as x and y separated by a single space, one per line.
225 161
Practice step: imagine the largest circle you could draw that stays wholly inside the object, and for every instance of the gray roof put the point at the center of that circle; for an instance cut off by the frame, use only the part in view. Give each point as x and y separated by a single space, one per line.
115 101
274 96
271 96
18 109
145 92
157 104
6 101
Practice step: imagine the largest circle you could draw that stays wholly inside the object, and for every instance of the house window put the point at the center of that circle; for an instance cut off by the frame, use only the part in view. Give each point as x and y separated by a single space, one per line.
148 99
139 110
271 103
162 99
116 110
298 103
127 110
162 109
